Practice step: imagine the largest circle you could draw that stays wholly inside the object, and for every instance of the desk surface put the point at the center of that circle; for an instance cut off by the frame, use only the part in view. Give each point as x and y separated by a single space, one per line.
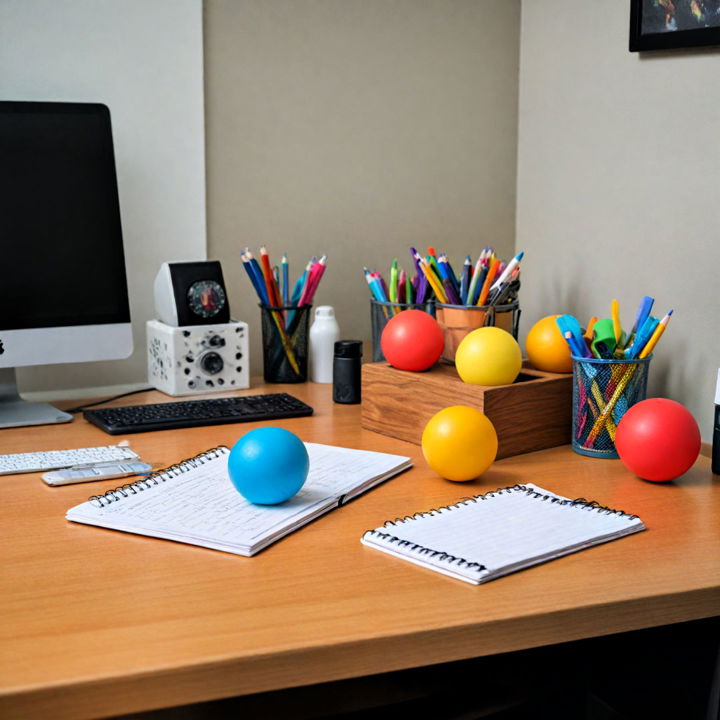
95 622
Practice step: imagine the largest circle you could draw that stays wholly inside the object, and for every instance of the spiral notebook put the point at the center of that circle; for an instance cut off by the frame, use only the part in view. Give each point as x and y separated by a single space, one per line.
194 501
491 535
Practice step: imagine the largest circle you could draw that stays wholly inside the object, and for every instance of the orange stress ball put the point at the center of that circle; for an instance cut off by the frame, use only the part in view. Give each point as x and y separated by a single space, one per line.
546 347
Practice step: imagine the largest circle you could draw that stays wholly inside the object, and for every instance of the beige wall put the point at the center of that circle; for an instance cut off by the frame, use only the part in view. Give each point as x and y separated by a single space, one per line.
145 61
357 128
618 185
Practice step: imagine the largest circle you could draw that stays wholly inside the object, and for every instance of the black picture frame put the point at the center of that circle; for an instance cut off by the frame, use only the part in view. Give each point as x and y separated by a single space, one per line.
644 36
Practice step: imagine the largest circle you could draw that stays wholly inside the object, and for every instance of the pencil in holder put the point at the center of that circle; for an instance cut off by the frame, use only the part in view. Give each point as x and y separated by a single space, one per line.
285 343
380 314
603 390
456 321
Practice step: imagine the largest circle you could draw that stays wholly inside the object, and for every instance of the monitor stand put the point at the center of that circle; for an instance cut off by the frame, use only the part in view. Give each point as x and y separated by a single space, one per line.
16 412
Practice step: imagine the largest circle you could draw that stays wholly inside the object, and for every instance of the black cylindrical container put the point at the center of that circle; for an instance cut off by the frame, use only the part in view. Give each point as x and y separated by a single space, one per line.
346 371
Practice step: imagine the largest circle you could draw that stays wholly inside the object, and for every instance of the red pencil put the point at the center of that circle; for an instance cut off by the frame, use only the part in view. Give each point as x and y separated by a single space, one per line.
272 289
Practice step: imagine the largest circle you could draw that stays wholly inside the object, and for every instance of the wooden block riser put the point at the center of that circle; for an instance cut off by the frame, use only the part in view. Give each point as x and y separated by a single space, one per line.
533 413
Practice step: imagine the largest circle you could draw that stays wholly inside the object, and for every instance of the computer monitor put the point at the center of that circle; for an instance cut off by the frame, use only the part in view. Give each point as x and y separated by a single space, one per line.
63 289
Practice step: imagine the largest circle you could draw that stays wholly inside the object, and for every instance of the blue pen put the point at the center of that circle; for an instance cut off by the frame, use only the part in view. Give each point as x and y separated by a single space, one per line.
572 342
643 335
568 323
643 312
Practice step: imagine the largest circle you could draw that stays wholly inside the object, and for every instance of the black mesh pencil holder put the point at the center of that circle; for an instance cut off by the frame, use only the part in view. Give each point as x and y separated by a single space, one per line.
603 390
285 343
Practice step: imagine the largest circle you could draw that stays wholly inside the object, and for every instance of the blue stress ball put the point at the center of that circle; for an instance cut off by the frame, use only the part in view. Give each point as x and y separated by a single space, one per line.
268 465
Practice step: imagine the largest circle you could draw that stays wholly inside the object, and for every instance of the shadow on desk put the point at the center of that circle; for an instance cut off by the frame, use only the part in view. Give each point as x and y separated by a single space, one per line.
661 673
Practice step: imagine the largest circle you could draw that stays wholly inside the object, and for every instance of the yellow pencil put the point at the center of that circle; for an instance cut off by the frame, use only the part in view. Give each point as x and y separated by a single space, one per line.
432 279
652 342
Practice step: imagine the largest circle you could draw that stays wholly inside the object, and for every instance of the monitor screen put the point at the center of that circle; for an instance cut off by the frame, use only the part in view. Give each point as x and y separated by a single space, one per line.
62 258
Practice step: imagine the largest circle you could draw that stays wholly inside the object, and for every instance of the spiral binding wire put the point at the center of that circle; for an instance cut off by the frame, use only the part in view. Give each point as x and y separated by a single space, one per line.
429 552
157 477
580 503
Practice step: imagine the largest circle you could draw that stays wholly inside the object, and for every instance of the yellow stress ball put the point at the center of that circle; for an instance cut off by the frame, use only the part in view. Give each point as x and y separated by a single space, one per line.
488 356
459 443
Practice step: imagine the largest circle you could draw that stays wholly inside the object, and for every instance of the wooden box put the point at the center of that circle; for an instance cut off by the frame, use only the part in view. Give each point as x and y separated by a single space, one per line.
533 413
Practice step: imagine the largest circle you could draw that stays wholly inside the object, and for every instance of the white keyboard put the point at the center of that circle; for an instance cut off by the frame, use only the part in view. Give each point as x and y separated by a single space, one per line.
54 459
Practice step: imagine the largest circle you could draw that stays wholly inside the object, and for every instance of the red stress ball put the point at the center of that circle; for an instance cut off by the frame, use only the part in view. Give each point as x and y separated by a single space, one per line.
412 340
658 439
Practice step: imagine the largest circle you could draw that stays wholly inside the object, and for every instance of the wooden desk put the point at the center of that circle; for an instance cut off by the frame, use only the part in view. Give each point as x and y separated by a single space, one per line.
95 622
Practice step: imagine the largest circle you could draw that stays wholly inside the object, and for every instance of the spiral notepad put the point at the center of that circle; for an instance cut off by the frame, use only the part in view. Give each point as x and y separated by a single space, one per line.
491 535
194 501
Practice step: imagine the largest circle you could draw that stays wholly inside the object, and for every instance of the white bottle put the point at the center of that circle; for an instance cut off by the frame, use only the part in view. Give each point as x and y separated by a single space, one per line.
324 332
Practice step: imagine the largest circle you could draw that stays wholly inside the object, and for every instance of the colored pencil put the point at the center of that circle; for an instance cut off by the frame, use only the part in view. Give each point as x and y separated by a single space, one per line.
507 272
473 289
465 280
432 260
433 281
261 287
267 281
393 294
272 290
285 280
488 282
316 275
447 273
657 334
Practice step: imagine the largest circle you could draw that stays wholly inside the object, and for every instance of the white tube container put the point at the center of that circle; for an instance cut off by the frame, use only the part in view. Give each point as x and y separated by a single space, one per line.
324 332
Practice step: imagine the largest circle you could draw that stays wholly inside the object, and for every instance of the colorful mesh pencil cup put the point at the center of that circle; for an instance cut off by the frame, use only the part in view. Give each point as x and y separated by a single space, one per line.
285 343
457 321
603 390
380 314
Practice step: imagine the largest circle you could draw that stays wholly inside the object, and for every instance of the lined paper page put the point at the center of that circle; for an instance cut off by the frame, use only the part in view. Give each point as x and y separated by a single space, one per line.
202 506
502 532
